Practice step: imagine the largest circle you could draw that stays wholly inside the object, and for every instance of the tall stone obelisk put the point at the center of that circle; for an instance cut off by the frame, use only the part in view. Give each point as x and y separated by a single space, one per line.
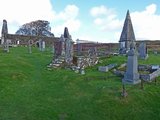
127 35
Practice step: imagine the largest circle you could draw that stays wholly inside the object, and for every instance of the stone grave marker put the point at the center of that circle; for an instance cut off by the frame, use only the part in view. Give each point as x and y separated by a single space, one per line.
106 68
43 45
143 53
131 75
30 46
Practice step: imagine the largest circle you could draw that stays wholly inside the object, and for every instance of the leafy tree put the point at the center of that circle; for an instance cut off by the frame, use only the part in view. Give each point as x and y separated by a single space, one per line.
38 27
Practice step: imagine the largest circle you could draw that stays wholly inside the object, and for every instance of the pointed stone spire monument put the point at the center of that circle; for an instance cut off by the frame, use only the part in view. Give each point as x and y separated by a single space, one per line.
131 75
66 33
68 47
4 31
127 35
4 40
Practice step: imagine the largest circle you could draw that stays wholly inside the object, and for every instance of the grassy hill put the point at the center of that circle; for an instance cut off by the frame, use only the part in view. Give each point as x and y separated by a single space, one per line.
28 91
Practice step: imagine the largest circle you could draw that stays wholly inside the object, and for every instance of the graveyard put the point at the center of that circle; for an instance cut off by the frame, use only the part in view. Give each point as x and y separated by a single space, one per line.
54 78
29 91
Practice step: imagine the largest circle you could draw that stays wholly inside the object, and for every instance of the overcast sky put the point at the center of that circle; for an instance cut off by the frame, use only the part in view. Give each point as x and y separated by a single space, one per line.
95 20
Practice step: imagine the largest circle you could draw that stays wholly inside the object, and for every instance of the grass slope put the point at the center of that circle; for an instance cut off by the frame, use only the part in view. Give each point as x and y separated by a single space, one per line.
28 91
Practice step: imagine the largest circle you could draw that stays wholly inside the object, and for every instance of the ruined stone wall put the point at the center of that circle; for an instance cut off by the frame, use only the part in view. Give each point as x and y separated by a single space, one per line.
23 39
151 44
100 46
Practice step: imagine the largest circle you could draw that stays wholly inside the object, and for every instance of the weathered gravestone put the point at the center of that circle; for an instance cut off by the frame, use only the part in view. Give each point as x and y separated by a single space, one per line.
41 44
68 47
4 31
143 53
131 75
92 54
4 40
106 68
79 47
62 46
30 46
57 49
6 46
155 52
103 68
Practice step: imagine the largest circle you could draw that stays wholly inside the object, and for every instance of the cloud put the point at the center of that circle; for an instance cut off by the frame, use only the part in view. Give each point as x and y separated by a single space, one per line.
70 12
22 11
107 22
146 23
151 9
67 18
73 26
100 11
105 18
19 12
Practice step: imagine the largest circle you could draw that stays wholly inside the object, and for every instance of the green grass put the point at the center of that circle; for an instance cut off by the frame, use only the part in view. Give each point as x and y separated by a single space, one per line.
28 91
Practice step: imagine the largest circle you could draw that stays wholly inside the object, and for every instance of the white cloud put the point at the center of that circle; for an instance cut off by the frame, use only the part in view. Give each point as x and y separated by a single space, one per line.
22 11
146 23
98 21
105 18
151 9
19 12
100 10
70 12
107 22
67 18
73 26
